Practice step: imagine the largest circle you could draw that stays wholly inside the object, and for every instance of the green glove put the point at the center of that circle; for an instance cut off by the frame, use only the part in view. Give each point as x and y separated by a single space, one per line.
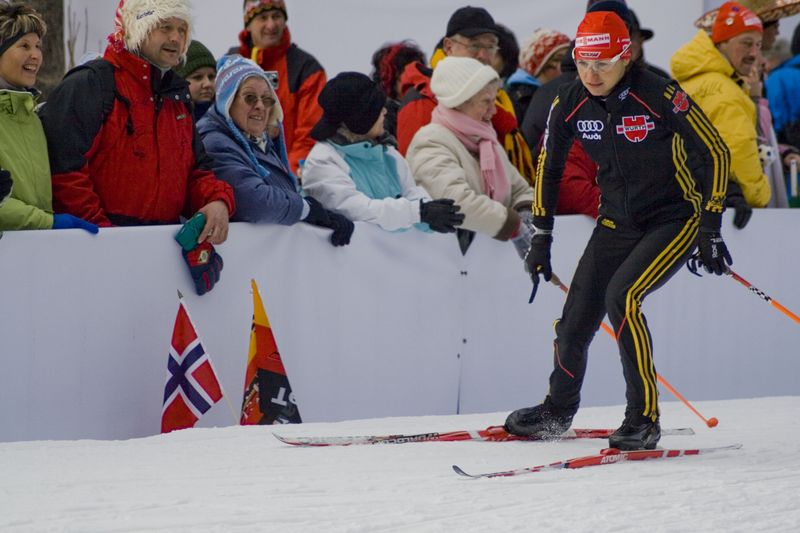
187 236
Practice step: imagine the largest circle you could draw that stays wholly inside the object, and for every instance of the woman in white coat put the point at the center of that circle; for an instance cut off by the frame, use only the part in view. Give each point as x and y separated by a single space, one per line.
351 172
457 155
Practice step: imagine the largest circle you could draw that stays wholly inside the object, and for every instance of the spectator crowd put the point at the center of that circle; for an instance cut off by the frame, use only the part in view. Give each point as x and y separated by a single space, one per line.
157 130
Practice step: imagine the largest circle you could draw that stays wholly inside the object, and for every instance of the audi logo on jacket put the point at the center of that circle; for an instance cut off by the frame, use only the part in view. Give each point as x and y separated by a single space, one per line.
659 157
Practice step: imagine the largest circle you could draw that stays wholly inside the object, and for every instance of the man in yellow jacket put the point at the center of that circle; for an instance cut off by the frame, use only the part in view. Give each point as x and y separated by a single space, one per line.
713 70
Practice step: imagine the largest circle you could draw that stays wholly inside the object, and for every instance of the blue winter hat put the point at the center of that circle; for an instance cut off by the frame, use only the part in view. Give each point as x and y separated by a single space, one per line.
231 72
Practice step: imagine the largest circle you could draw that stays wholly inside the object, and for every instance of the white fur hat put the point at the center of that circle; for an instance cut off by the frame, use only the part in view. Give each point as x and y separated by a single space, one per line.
457 79
139 17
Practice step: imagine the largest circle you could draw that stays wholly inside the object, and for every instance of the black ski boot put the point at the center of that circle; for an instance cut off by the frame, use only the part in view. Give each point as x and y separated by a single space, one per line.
637 432
544 421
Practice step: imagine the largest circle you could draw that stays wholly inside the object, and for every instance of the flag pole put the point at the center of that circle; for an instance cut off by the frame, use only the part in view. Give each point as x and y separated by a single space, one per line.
210 362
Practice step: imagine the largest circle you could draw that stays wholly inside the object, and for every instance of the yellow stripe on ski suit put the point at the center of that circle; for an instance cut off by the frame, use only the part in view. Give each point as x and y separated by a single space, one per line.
538 201
633 309
716 146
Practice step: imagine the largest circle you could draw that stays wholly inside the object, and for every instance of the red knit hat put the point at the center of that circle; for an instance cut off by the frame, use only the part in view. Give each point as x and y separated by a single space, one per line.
602 35
539 48
254 7
733 19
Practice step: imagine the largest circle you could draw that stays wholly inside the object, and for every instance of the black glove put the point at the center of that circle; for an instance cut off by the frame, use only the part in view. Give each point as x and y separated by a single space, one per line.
6 183
735 199
713 253
538 260
342 229
205 265
318 215
441 215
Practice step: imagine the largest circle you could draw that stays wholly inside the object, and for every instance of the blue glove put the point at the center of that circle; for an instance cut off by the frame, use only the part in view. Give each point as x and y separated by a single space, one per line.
65 221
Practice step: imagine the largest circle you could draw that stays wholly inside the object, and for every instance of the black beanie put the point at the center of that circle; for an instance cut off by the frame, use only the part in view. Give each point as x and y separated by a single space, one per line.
352 99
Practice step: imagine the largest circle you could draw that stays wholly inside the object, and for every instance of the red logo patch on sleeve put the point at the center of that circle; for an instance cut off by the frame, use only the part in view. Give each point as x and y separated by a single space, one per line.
681 102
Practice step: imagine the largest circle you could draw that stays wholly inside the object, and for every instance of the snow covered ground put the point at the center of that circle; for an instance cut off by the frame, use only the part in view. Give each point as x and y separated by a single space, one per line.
242 479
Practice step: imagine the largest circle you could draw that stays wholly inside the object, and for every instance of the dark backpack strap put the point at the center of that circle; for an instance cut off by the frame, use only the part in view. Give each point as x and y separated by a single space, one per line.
104 71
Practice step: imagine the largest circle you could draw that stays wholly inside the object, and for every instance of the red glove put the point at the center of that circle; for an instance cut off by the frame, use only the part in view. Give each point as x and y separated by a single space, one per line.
205 265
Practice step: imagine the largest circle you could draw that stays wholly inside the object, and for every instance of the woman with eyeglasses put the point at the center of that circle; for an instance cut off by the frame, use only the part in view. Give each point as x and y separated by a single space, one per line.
662 171
235 133
459 156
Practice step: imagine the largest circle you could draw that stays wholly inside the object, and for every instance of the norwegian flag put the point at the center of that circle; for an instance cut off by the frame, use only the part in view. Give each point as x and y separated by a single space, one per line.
192 386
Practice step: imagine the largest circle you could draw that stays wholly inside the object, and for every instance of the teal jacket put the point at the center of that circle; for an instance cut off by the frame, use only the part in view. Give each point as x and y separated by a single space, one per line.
23 152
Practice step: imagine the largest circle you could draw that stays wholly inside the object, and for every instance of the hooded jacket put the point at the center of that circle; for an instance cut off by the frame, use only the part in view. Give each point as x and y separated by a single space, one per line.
713 84
138 161
273 198
23 152
300 80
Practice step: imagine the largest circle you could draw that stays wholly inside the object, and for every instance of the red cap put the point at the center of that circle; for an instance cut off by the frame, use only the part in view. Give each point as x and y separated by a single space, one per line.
733 19
602 35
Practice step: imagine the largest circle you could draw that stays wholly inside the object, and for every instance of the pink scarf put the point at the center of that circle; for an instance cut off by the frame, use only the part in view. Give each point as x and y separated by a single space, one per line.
495 181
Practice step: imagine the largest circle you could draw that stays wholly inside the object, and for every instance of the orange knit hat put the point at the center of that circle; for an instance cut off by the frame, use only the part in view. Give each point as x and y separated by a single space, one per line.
732 20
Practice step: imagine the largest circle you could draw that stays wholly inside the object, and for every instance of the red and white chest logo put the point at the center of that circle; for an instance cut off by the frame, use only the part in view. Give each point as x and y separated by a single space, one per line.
635 128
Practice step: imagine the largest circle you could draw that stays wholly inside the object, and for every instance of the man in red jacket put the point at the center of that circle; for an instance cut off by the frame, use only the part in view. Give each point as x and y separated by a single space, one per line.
122 144
121 138
267 41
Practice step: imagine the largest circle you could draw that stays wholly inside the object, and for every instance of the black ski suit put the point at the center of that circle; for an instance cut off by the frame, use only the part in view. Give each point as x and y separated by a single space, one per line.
663 172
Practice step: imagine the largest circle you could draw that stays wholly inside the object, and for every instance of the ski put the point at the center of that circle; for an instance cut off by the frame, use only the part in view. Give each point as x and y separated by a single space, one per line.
490 434
606 456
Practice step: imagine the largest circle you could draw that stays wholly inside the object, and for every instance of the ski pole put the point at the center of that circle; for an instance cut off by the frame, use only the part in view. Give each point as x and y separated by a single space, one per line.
758 292
710 422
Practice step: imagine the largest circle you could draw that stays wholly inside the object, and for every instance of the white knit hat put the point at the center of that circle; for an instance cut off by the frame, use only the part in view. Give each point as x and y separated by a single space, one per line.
139 17
457 79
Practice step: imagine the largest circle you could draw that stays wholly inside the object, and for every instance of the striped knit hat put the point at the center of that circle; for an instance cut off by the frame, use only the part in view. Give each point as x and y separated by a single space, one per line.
253 7
540 47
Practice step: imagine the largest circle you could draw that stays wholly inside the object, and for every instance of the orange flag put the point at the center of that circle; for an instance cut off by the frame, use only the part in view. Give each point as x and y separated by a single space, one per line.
268 397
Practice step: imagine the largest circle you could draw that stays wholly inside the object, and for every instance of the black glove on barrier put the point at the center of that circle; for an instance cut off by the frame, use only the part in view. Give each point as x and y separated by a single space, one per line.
742 210
318 215
5 184
713 253
342 229
538 260
441 215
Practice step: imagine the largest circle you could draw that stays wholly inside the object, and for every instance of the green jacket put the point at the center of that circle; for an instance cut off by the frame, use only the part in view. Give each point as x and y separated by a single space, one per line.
23 152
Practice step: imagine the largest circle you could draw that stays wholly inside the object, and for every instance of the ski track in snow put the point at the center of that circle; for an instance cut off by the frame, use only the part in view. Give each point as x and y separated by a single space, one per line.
243 479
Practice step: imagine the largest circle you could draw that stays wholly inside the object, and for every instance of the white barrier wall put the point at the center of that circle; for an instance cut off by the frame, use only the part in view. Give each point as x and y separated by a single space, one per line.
395 324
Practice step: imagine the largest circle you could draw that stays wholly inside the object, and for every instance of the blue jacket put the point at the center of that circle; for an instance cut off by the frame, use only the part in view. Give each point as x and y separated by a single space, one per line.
783 93
274 198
